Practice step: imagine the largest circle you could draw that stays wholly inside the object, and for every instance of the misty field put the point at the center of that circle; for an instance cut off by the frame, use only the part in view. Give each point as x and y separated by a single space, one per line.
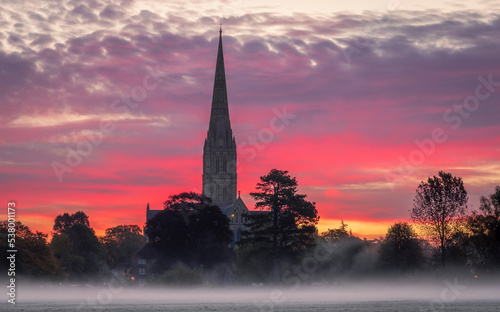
448 296
376 306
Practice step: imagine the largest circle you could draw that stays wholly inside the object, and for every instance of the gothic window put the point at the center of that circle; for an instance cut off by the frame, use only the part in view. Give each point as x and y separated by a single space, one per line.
224 195
236 218
232 217
213 163
211 192
217 165
224 165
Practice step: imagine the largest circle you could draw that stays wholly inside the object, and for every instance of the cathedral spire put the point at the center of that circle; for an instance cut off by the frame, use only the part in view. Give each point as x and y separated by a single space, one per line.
219 151
219 97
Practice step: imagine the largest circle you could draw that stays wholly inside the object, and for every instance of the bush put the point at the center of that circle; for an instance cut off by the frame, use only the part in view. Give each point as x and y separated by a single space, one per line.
180 275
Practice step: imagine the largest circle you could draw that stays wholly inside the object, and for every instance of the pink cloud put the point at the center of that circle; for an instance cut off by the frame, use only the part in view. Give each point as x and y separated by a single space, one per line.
352 120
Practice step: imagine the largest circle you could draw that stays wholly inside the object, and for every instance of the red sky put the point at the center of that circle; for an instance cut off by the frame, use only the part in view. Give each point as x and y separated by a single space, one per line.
374 102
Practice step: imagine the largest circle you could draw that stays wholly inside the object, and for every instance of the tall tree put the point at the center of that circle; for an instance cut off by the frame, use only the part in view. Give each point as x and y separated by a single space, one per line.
438 203
484 227
71 263
291 222
64 222
86 245
121 243
34 257
190 230
401 249
76 246
188 201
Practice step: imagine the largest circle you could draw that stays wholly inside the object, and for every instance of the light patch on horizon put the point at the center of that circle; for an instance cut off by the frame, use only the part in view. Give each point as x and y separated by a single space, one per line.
481 175
51 120
362 228
366 186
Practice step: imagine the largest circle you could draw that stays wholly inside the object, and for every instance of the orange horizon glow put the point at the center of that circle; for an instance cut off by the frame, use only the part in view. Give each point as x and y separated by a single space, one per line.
347 100
360 228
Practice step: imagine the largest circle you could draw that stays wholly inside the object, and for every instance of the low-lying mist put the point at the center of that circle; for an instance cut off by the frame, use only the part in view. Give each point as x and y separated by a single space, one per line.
446 289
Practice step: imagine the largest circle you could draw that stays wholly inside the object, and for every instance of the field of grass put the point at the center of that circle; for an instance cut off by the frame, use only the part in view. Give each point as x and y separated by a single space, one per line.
374 306
448 295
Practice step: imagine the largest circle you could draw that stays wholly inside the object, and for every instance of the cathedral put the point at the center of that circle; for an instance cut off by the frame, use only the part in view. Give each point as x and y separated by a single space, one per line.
219 156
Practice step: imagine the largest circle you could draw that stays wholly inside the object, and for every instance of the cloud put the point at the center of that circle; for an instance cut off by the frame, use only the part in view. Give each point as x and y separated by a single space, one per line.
112 12
363 88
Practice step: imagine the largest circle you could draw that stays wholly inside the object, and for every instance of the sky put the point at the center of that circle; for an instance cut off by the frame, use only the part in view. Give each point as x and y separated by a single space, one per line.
105 104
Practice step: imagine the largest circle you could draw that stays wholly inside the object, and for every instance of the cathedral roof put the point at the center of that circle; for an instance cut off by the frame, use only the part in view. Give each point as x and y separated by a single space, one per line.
151 213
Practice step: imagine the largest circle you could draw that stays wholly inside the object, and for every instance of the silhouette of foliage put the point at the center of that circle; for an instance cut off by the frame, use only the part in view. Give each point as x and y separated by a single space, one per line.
190 230
64 222
438 204
289 227
77 247
335 235
401 249
34 257
121 242
484 227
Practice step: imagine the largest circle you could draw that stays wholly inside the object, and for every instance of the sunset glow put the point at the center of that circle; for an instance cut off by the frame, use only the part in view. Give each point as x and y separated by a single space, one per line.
105 105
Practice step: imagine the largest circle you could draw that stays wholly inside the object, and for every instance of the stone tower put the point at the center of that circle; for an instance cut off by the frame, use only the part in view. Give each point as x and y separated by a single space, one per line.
219 151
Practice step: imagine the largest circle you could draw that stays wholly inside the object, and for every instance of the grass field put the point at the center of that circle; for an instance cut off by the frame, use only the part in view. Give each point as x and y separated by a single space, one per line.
375 306
450 295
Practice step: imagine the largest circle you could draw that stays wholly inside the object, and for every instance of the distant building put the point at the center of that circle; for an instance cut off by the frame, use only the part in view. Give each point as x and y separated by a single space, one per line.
219 156
141 264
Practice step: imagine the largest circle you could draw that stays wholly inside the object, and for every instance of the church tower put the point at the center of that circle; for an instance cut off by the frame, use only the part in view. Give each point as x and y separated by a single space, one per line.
219 151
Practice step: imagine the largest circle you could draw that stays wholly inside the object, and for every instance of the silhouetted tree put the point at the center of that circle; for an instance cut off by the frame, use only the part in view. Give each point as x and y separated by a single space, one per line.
188 201
290 225
437 204
34 257
484 227
63 223
210 237
121 243
335 235
86 245
71 263
401 249
76 246
190 230
347 254
458 248
168 233
252 262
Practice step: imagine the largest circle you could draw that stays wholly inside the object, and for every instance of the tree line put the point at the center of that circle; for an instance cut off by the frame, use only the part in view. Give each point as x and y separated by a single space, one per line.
191 238
74 251
283 238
